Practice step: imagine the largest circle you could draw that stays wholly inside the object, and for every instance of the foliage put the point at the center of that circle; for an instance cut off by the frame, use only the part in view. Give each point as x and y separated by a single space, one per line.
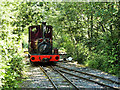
12 75
103 62
89 32
80 28
10 48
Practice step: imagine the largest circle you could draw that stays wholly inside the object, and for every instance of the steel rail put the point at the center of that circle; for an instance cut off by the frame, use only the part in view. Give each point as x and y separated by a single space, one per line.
49 78
89 74
65 78
89 80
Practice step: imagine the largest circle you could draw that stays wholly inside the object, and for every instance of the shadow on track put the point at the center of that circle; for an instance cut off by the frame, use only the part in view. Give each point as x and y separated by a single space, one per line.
37 64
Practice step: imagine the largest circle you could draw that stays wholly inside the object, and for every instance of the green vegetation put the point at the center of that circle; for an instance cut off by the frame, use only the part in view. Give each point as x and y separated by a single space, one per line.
89 32
10 48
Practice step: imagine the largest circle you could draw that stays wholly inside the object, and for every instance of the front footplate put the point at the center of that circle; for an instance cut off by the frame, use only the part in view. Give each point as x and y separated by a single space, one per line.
44 58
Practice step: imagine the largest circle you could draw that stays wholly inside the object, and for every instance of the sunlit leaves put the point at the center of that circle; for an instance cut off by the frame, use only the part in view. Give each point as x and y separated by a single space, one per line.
9 46
73 24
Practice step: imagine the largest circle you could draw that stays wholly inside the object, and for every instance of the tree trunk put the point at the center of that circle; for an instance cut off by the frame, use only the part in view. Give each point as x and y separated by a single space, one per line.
91 30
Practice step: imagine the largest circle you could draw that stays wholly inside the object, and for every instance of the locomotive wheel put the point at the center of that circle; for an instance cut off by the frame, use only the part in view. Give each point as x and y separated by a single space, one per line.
53 63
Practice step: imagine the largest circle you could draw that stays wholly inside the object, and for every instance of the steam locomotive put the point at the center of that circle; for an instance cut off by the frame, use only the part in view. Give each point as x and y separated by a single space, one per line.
40 44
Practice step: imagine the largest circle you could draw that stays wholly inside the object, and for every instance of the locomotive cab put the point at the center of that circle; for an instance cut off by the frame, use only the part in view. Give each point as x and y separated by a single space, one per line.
40 44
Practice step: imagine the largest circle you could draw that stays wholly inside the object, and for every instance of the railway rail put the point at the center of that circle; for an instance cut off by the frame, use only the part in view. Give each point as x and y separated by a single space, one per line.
63 77
48 77
102 84
52 82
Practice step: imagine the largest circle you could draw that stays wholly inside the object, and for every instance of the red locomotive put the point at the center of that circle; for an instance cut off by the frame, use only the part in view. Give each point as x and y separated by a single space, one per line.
40 44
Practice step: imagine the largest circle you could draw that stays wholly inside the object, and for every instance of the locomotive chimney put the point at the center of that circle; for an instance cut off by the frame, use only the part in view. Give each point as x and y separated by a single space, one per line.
44 23
44 28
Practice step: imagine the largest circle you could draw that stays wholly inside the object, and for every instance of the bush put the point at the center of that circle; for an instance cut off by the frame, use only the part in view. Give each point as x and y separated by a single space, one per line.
103 63
12 75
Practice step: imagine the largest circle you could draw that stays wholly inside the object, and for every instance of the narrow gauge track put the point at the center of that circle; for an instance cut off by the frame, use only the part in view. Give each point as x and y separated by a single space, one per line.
52 82
87 78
